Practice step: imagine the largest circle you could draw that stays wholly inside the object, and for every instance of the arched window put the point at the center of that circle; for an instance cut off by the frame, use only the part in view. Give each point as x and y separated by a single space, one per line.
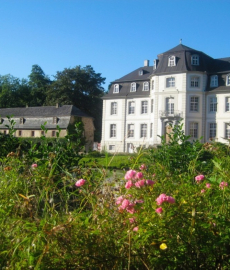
133 87
116 88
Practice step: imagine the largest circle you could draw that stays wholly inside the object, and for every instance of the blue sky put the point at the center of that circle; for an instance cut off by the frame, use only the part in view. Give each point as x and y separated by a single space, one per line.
113 36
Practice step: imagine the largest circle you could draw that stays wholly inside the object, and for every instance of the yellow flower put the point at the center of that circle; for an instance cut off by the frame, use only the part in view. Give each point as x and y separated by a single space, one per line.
163 246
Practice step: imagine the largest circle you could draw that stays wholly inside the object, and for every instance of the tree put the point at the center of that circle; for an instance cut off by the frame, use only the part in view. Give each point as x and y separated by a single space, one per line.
81 87
38 81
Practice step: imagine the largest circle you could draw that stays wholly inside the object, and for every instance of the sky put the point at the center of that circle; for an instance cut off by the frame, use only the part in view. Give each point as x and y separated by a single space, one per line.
113 36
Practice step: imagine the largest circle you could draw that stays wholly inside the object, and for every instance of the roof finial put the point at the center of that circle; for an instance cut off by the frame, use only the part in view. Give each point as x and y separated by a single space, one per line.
181 41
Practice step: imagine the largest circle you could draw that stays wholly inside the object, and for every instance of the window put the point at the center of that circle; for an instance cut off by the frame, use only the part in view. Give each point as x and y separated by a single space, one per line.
32 133
170 105
214 81
227 131
194 81
116 88
227 102
143 130
113 108
113 129
145 86
4 132
112 147
154 64
53 133
195 60
170 82
228 80
194 102
212 130
144 106
152 104
131 107
213 104
171 61
19 133
21 120
130 131
152 85
193 130
133 87
140 72
151 130
42 133
55 120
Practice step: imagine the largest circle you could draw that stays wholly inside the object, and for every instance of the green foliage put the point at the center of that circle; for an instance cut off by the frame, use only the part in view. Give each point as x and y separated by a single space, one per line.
47 222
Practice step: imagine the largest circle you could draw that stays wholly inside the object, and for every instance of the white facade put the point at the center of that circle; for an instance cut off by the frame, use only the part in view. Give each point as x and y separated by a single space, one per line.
176 92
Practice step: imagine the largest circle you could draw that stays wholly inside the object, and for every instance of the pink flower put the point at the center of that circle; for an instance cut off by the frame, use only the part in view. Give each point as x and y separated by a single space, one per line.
128 184
199 177
208 185
119 200
143 167
164 198
139 175
130 175
140 183
159 210
125 204
223 185
135 229
80 183
34 165
202 190
132 220
130 208
138 201
150 182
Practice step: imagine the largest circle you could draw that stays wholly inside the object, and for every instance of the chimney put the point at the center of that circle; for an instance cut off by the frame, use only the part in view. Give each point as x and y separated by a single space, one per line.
57 105
146 63
27 106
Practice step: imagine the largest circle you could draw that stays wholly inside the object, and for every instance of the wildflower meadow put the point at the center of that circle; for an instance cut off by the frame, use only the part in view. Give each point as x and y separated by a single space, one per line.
170 209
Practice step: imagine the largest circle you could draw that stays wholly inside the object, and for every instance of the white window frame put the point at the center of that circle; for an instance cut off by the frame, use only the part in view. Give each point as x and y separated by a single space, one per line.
146 86
116 88
143 131
195 59
170 82
130 131
131 107
194 104
195 82
193 130
144 107
170 105
228 80
213 104
172 61
133 87
227 104
113 108
227 131
111 147
113 130
212 130
214 81
153 84
152 105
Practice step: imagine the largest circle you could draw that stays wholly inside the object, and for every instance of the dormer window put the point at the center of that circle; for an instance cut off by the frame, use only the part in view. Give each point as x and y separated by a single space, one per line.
140 72
214 81
228 80
21 120
55 120
133 87
154 64
195 60
116 88
172 61
145 86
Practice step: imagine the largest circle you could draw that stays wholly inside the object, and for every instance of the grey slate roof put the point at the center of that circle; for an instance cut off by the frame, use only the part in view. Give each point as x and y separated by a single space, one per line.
52 111
34 117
